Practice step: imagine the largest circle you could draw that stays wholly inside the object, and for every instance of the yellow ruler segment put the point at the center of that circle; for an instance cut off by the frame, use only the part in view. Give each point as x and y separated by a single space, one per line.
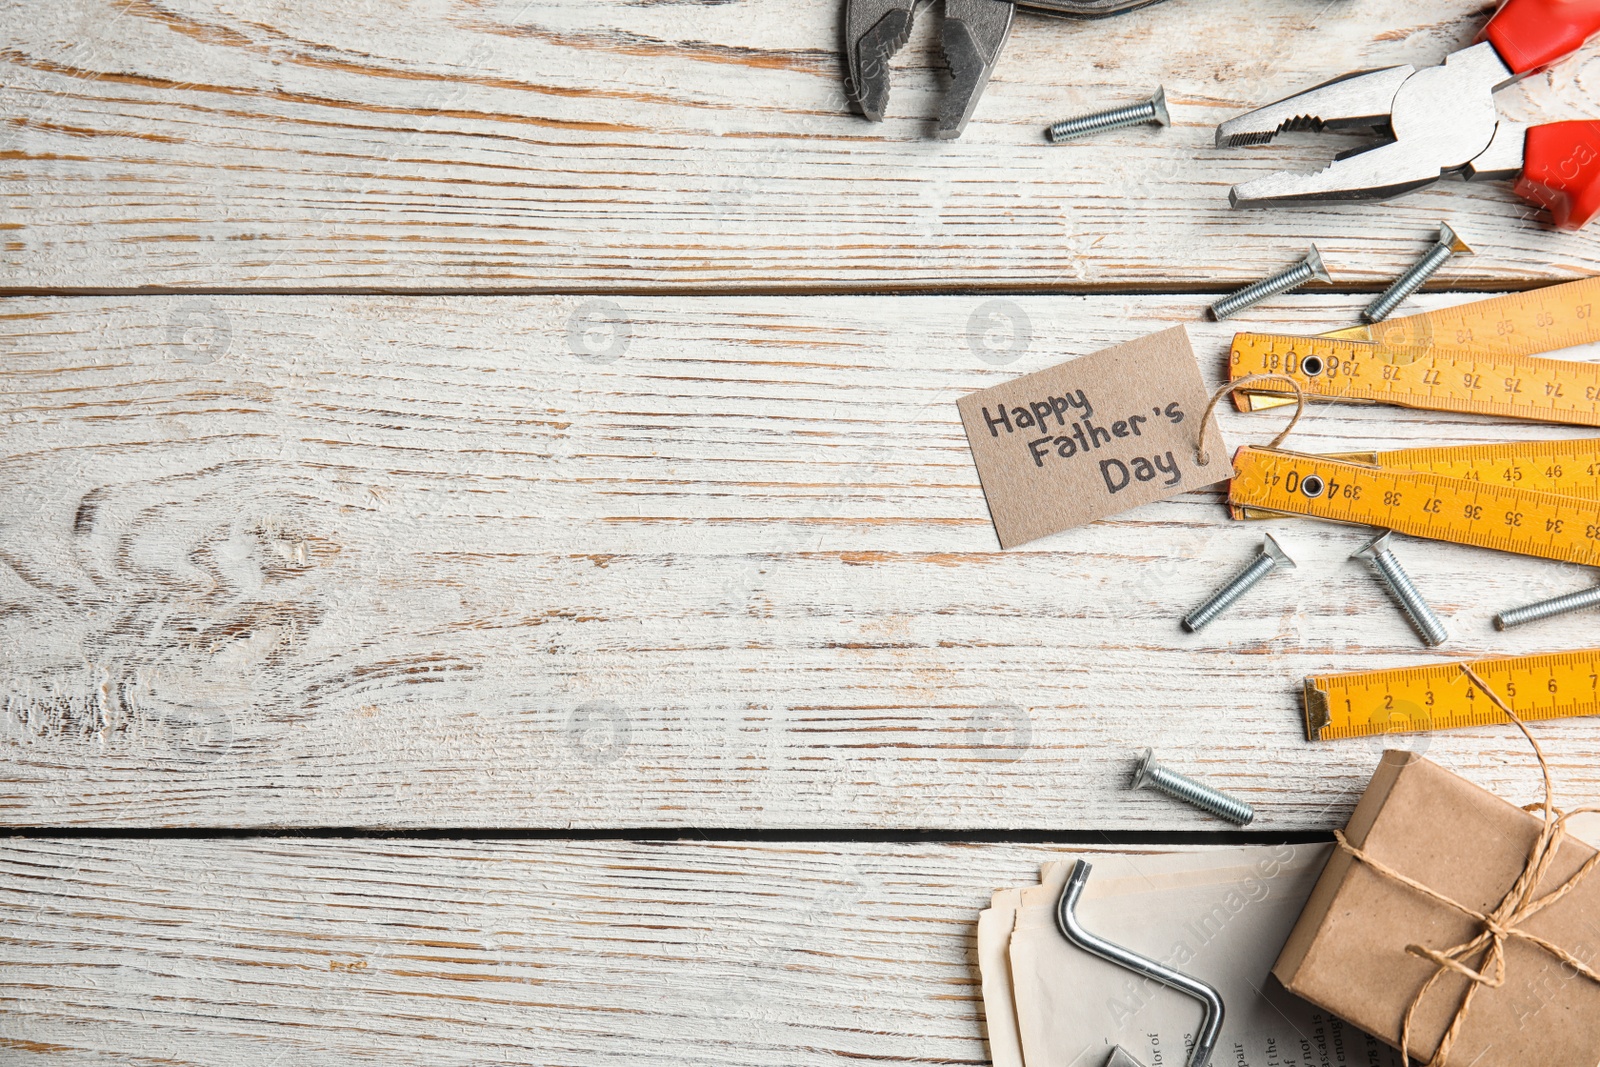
1517 324
1482 513
1571 468
1326 368
1478 357
1441 697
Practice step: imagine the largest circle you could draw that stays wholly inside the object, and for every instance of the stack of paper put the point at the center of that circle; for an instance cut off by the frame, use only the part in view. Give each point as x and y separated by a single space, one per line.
1221 915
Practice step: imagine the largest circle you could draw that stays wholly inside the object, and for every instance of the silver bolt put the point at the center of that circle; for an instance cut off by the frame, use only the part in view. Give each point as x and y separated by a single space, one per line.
1270 557
1153 110
1293 278
1423 620
1448 245
1152 775
1548 609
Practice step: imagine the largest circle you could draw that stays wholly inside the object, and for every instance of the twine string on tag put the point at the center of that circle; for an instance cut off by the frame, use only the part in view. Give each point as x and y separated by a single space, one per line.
1502 924
1201 456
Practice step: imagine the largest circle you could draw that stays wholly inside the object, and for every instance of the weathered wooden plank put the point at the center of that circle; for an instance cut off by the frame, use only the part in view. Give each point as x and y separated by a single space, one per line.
276 951
269 951
546 562
615 145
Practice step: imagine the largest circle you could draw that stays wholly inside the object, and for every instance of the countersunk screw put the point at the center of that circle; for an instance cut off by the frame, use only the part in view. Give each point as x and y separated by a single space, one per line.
1293 278
1153 110
1548 609
1270 557
1152 775
1426 623
1449 244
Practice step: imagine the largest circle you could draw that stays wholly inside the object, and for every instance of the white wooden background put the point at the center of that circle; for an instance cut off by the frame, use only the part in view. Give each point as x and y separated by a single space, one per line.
486 417
444 562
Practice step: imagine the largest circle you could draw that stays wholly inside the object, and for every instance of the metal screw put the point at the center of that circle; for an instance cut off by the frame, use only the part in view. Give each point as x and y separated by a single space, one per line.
1152 775
1153 110
1426 623
1548 609
1409 282
1270 557
1293 278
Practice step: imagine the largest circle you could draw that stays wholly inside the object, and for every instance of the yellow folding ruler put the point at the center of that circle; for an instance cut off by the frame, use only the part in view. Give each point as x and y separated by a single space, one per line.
1570 468
1479 357
1441 697
1486 512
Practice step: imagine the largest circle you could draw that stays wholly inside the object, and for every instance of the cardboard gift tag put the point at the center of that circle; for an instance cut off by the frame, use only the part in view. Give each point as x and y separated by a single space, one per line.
1091 437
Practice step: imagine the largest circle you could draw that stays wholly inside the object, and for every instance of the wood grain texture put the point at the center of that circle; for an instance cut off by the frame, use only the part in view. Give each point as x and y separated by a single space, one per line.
606 145
274 951
547 562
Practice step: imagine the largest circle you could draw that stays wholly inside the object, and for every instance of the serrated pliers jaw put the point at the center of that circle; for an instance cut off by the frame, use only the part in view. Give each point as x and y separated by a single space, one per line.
1431 122
974 32
874 31
1358 101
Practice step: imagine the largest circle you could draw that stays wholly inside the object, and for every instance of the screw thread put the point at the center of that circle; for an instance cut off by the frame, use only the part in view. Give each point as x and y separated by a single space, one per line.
1112 119
1265 289
1545 609
1182 787
1224 598
1406 284
1425 622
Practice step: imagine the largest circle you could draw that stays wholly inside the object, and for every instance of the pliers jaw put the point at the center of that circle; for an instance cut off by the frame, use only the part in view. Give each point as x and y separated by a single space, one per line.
1358 101
874 30
1431 122
974 32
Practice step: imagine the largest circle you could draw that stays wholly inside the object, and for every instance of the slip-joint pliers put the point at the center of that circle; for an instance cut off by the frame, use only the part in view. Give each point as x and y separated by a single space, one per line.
1443 120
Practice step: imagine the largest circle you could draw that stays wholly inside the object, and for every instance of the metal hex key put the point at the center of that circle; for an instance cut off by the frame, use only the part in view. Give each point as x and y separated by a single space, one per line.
1205 1039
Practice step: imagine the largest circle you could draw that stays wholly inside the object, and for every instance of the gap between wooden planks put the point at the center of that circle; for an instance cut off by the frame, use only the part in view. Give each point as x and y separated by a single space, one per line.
684 147
561 562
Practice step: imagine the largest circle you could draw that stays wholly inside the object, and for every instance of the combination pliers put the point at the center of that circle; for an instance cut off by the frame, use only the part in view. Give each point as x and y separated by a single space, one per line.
1441 121
974 31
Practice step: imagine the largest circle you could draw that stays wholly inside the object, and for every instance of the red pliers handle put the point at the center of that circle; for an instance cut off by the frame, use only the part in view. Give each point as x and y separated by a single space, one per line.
1532 34
1560 160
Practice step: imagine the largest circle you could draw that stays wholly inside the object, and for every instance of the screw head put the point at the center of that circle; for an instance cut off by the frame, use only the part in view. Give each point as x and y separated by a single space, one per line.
1314 261
1280 558
1141 772
1452 240
1373 548
1159 102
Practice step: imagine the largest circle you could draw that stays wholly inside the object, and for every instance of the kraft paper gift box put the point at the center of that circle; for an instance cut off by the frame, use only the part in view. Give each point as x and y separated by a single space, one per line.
1348 952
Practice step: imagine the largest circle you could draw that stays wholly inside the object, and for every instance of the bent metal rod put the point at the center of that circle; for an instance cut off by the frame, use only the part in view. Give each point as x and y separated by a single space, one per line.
1205 1040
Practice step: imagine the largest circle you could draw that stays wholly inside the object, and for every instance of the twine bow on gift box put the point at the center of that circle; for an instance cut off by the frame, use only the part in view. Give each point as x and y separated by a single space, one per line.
1503 923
